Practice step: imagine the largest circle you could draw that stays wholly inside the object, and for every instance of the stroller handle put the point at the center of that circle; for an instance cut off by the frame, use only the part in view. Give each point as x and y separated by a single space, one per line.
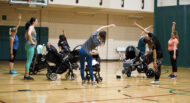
76 47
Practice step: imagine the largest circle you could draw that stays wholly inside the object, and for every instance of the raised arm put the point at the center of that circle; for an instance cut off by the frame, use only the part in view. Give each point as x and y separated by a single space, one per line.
11 45
107 26
148 27
141 28
173 26
19 19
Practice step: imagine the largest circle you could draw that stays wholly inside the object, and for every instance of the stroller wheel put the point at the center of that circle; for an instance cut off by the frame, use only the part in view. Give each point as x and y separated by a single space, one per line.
123 71
128 72
48 75
67 76
53 76
73 76
150 73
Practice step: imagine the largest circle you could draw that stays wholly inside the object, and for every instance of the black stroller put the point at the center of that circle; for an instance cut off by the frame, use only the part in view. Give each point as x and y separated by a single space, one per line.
96 69
63 62
135 60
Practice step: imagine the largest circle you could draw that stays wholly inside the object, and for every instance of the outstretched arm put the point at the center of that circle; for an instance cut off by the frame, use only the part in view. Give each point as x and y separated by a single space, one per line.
107 26
173 26
148 27
141 28
19 19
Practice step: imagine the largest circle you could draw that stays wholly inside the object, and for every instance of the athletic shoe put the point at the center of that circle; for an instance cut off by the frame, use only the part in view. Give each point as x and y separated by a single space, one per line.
12 72
170 75
83 83
28 78
155 82
93 83
173 76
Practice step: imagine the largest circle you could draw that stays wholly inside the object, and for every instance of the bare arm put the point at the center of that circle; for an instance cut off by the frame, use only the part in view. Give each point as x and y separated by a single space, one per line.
107 26
59 48
11 45
94 53
155 58
141 28
174 56
146 49
19 19
148 27
173 26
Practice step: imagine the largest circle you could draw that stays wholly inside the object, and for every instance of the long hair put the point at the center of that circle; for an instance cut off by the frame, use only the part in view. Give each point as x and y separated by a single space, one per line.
176 34
29 23
149 41
102 35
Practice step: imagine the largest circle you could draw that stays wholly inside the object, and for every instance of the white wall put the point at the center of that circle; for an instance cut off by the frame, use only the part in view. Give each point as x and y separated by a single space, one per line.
110 4
79 27
161 3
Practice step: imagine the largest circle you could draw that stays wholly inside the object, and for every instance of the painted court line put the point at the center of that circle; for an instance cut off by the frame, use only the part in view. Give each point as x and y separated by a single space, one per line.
104 100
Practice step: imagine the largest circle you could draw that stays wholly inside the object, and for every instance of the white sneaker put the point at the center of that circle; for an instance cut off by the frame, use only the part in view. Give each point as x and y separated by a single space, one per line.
83 83
155 82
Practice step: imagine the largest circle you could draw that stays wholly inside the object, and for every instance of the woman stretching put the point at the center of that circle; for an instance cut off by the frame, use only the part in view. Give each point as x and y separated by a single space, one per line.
155 47
30 44
14 43
95 40
173 51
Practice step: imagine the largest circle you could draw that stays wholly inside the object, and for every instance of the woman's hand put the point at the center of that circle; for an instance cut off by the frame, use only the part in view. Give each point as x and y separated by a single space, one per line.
111 25
174 57
135 23
155 65
33 43
174 22
12 56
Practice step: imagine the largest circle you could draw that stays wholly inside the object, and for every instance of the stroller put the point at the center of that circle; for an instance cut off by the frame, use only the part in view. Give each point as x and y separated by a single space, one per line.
63 62
39 60
136 61
96 69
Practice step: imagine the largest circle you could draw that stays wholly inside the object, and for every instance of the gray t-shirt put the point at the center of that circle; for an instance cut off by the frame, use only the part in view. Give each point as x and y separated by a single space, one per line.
91 43
33 34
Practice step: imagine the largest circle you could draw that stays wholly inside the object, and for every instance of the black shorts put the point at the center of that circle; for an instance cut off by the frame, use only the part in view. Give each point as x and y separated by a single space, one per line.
14 54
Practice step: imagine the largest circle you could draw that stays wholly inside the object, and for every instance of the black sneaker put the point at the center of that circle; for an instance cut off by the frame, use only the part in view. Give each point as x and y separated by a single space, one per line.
173 77
28 78
170 76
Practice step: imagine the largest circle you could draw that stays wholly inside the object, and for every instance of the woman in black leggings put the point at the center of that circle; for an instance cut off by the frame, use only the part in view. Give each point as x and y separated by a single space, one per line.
156 51
173 51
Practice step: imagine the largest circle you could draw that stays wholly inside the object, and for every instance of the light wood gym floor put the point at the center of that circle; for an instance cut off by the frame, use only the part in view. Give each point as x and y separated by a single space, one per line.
136 89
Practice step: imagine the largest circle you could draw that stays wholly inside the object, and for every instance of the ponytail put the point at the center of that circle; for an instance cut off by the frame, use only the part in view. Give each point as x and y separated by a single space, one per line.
29 23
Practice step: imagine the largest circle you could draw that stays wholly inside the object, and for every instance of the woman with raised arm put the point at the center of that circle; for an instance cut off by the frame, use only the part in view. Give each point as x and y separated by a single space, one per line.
173 51
155 47
30 44
95 40
63 44
14 43
141 45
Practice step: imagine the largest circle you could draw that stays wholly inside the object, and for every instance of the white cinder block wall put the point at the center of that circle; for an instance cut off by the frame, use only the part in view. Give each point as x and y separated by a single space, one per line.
79 26
110 4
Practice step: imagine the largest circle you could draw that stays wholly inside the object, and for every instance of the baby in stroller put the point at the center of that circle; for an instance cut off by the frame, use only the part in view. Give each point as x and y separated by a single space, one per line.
62 63
95 66
136 60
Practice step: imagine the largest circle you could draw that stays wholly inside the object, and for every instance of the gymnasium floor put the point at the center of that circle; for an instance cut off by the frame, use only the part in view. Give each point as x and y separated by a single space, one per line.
126 90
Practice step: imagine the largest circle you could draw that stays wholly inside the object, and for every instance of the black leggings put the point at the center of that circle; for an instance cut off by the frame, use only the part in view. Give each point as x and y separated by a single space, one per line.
149 59
14 54
173 61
